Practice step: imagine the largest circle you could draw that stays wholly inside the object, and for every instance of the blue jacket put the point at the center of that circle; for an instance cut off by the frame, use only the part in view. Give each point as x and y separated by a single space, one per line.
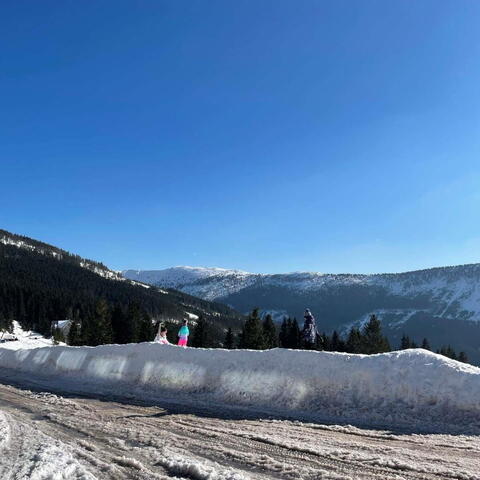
184 331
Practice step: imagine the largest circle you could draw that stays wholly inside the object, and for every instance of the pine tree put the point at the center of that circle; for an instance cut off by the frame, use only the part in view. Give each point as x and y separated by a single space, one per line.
373 340
336 343
294 335
450 353
447 351
229 339
462 357
269 333
405 343
326 342
21 310
354 341
413 345
88 332
103 323
58 336
319 345
252 332
201 337
131 322
425 344
145 332
283 335
73 337
121 326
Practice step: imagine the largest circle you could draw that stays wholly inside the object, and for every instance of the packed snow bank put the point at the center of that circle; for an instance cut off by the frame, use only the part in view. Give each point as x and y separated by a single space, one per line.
411 384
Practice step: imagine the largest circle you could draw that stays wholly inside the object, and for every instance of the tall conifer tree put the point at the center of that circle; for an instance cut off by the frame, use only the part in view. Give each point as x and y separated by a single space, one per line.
373 340
252 333
283 335
354 341
201 334
229 339
405 342
425 344
269 333
294 335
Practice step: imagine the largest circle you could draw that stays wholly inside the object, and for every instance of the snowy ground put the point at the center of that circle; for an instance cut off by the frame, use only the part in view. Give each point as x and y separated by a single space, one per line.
26 339
48 436
410 388
150 411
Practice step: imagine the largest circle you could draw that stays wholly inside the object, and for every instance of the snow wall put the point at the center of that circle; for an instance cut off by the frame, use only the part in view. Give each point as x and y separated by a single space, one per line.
404 385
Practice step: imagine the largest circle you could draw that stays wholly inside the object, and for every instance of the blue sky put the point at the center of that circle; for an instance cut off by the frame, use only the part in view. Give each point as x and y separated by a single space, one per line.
270 136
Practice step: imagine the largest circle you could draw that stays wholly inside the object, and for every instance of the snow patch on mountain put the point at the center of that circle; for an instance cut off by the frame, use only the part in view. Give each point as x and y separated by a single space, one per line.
400 317
185 276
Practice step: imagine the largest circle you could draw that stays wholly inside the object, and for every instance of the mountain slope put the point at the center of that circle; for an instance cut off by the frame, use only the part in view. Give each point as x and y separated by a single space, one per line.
442 304
40 283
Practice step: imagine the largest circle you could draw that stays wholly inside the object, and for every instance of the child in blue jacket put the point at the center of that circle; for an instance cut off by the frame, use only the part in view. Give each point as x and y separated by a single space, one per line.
183 334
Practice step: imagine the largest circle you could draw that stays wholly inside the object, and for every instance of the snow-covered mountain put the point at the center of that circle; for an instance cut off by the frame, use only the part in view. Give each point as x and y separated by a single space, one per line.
442 304
452 292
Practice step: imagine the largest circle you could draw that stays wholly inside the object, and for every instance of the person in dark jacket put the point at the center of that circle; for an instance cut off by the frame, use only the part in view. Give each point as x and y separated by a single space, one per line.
309 332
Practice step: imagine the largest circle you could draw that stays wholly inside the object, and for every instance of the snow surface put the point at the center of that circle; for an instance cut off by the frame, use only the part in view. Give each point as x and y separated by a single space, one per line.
26 339
35 456
406 385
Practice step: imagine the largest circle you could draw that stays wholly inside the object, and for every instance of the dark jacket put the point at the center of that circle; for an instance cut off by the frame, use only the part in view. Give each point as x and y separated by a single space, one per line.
309 332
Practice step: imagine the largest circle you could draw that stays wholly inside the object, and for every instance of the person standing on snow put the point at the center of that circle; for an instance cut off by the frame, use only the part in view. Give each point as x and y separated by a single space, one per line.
183 334
309 332
162 335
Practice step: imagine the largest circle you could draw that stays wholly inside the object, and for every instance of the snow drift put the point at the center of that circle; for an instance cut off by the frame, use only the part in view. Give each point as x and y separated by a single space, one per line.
398 386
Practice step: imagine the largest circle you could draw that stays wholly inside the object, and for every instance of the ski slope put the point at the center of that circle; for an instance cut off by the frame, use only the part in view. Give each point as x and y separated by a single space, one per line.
411 386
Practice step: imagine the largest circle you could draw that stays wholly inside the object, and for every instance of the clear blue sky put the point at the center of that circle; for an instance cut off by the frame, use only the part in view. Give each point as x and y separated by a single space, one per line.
270 136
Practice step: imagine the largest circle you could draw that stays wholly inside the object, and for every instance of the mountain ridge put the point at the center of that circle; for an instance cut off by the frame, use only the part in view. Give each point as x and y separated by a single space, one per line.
441 303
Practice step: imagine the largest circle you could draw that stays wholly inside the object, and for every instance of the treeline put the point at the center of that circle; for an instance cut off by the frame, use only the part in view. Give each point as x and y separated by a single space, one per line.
109 324
446 350
117 324
258 334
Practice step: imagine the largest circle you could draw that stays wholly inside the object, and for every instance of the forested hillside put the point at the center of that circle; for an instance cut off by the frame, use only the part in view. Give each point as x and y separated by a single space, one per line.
40 283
